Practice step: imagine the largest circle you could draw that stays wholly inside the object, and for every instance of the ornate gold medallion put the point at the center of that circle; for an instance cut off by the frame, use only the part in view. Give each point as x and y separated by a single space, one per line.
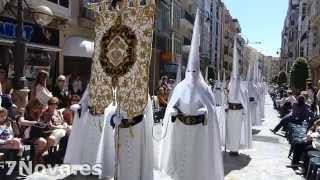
123 50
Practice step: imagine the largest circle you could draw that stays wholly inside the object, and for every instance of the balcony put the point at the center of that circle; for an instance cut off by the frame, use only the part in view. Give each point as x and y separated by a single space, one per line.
60 8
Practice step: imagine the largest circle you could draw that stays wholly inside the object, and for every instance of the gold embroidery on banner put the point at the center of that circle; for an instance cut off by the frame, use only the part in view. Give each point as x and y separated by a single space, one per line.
123 49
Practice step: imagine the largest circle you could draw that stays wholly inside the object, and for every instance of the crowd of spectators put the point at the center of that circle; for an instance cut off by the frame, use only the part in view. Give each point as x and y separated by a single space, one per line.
45 122
299 112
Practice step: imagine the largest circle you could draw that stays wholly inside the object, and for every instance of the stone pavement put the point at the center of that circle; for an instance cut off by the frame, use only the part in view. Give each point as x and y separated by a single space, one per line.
266 161
268 158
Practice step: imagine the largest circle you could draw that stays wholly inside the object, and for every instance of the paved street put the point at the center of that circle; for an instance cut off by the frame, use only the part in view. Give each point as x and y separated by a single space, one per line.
266 161
268 158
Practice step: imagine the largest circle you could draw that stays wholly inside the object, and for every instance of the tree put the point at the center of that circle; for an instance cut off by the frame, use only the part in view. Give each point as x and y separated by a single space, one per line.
282 78
299 74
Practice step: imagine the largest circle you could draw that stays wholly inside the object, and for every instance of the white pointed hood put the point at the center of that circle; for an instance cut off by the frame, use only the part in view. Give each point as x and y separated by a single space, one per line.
224 80
250 73
193 87
256 72
218 83
193 73
234 86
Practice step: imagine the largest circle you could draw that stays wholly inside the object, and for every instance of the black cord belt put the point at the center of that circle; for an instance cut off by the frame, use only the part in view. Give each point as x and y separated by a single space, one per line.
126 123
235 106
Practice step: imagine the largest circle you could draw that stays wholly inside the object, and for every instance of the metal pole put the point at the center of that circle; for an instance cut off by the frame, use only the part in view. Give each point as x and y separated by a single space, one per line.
19 51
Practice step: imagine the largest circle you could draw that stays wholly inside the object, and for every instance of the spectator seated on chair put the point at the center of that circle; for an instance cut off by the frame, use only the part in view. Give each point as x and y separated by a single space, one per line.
285 109
54 119
287 104
8 141
310 144
35 130
300 112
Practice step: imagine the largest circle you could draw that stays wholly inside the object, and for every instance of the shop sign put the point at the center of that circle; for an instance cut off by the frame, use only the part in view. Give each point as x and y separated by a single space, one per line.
31 32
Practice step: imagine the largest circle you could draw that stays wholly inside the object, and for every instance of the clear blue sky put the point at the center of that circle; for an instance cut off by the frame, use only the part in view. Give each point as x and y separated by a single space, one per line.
260 20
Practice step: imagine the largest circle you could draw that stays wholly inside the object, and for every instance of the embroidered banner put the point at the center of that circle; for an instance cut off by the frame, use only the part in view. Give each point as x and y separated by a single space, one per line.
123 50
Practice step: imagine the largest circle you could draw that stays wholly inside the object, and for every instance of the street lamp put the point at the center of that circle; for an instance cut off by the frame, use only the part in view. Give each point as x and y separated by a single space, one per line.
42 15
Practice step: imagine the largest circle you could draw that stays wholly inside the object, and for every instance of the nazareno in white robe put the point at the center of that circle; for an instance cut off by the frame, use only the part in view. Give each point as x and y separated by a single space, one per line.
253 105
246 133
85 135
135 153
239 127
192 152
220 109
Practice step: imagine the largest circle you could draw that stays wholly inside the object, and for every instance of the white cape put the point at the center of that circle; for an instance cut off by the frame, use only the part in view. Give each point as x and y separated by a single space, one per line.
136 153
192 152
84 138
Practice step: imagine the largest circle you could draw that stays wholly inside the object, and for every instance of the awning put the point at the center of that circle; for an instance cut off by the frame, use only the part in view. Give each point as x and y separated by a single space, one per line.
9 42
78 47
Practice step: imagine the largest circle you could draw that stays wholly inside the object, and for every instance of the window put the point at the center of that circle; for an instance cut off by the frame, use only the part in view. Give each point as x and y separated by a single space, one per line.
64 3
143 2
163 17
86 12
130 3
304 11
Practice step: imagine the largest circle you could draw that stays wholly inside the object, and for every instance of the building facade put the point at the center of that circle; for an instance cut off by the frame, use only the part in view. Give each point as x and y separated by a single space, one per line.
290 36
313 51
300 37
68 41
43 44
229 29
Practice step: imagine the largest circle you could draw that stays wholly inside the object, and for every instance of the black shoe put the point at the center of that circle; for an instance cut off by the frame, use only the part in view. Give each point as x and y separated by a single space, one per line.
233 153
273 131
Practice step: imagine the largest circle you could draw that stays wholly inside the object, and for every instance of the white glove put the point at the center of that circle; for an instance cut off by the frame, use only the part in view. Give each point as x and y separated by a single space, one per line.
117 120
75 107
202 111
174 112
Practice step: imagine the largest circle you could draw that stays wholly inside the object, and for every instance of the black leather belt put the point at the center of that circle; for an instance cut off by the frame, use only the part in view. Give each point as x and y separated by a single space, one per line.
235 106
189 120
218 88
251 99
126 123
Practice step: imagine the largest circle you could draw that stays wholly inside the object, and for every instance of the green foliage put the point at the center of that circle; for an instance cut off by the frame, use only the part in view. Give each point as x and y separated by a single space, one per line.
299 74
282 78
